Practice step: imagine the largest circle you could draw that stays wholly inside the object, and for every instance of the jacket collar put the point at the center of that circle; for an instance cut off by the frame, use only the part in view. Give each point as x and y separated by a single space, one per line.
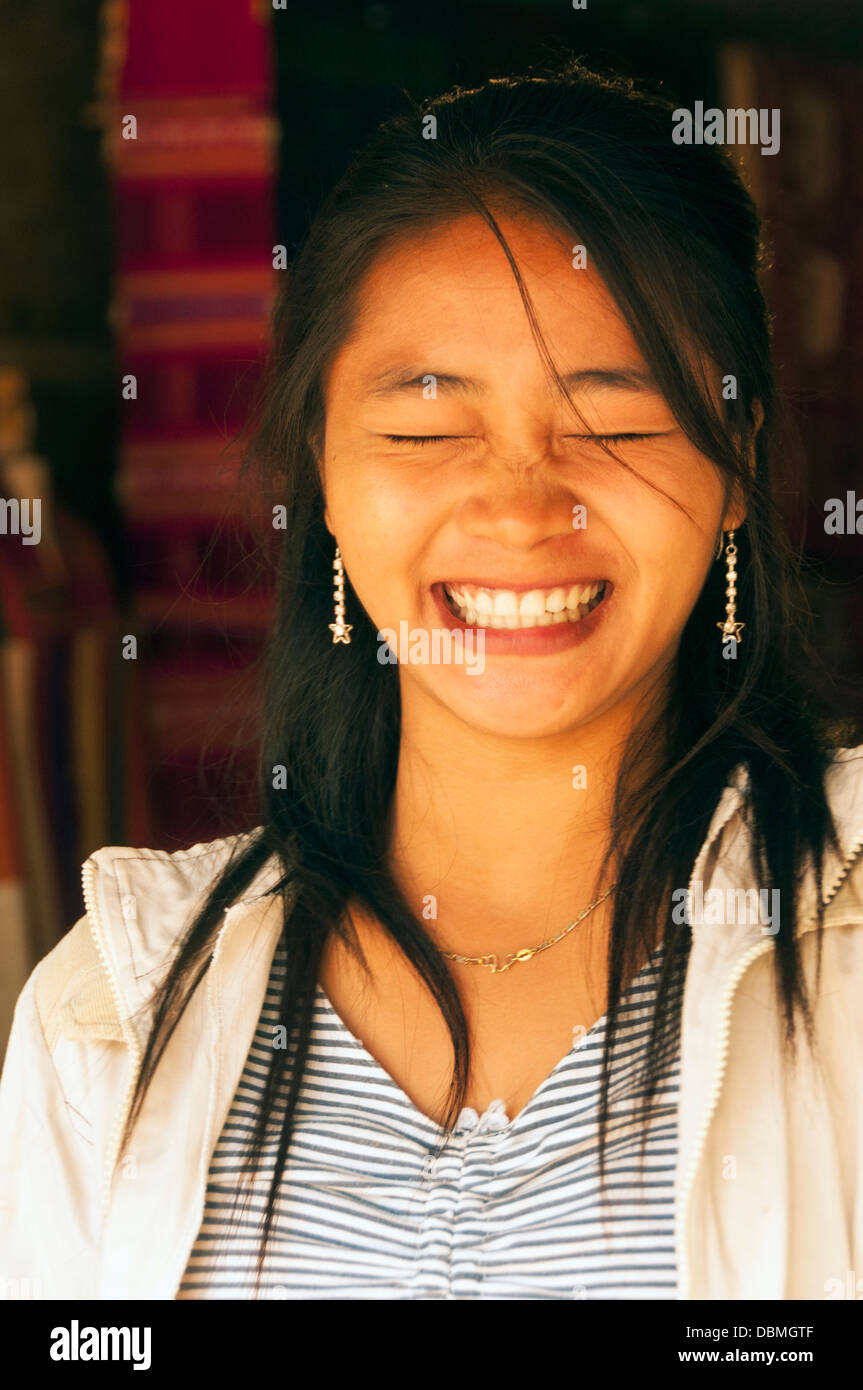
726 854
141 900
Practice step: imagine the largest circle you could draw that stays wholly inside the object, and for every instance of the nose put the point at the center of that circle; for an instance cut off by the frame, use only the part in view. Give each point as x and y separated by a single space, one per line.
516 499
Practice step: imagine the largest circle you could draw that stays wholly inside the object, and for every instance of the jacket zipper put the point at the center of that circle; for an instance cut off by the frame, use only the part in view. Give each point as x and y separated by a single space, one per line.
742 966
131 1037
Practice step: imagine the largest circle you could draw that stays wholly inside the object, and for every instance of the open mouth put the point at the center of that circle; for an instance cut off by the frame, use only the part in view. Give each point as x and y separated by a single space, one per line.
506 608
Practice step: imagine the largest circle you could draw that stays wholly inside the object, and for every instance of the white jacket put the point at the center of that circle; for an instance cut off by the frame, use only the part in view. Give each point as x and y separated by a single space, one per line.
769 1187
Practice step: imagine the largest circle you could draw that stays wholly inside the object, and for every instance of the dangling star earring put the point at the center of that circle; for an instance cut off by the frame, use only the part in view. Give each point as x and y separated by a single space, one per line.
340 629
730 628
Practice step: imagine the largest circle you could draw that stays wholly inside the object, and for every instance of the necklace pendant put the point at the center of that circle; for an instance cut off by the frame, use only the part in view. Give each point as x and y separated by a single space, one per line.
523 954
492 961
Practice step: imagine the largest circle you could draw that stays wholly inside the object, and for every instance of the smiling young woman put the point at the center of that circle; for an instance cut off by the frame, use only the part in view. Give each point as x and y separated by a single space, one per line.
437 1028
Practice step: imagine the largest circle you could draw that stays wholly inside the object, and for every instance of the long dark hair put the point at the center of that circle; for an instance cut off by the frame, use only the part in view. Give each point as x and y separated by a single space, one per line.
675 237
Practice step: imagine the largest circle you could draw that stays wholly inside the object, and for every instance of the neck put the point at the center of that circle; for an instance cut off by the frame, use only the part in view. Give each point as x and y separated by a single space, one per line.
493 836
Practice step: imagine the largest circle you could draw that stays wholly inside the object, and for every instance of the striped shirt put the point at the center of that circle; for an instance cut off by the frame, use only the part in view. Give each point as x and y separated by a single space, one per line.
370 1208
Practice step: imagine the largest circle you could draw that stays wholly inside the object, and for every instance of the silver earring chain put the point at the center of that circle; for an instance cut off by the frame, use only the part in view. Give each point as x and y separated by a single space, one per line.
730 627
340 629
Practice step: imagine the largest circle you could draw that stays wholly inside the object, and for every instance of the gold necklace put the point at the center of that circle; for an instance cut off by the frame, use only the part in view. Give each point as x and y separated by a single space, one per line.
526 952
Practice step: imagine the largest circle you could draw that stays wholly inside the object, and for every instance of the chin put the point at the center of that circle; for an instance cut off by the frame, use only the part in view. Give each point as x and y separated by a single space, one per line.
519 704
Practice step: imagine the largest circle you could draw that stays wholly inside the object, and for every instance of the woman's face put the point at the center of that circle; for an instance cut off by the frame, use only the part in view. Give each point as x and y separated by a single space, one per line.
580 570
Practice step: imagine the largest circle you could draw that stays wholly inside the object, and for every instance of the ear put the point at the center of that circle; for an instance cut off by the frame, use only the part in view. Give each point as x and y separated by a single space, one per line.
735 513
317 455
314 440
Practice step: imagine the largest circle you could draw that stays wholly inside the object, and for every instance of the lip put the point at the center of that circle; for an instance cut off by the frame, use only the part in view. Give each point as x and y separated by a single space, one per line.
527 641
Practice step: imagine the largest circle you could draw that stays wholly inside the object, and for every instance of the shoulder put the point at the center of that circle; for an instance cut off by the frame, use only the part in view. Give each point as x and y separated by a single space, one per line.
182 871
845 785
138 904
842 884
70 988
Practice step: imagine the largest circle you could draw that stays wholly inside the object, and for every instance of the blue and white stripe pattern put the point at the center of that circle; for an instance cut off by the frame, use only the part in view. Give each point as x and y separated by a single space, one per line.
509 1210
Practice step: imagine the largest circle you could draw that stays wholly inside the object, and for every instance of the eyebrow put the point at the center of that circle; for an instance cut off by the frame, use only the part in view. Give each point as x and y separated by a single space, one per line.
406 380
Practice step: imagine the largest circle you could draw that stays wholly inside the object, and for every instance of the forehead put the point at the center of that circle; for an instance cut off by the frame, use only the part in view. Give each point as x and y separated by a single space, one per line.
450 294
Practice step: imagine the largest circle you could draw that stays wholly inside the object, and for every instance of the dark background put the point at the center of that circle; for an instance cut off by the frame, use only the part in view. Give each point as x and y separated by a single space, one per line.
340 68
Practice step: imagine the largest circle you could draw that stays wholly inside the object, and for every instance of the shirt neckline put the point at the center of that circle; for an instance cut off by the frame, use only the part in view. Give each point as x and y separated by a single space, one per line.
487 1122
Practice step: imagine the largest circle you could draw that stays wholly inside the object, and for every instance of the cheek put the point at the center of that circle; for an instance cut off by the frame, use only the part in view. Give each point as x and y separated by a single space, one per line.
381 512
673 523
670 550
670 576
381 523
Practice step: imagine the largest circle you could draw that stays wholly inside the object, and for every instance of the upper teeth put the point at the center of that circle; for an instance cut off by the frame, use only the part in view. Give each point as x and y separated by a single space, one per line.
505 603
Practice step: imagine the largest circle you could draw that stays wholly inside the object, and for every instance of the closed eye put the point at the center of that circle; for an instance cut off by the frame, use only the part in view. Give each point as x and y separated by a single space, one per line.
419 440
620 438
